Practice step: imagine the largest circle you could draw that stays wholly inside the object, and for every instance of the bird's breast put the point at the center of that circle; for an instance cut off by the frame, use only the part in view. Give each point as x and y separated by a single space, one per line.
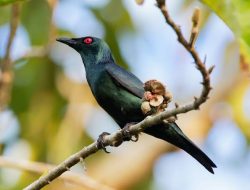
123 106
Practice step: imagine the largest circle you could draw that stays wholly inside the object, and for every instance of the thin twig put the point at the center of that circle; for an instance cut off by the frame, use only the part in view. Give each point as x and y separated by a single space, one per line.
190 48
52 29
34 52
40 168
6 73
110 140
15 12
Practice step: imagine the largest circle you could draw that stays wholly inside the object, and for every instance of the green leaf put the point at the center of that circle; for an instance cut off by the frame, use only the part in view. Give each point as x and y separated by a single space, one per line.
36 18
236 14
115 25
5 2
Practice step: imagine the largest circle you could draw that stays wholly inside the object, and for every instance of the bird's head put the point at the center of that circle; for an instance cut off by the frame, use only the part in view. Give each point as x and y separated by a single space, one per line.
92 50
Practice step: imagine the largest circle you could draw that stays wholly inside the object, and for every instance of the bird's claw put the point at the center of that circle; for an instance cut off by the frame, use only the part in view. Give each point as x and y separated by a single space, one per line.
127 136
100 142
134 138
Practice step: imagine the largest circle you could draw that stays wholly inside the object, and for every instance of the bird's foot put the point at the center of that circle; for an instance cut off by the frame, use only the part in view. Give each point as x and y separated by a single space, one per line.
101 143
127 136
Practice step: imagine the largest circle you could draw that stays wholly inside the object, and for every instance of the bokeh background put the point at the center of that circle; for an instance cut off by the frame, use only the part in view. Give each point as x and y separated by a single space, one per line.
52 113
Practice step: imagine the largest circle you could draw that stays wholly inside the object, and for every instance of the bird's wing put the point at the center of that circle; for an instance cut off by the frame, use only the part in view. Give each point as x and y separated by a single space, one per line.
126 79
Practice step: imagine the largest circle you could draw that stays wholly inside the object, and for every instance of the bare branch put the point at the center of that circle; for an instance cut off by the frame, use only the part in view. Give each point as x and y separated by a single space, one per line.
190 48
111 140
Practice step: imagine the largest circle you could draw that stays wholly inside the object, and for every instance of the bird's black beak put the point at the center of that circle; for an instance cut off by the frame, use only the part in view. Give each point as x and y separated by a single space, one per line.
69 41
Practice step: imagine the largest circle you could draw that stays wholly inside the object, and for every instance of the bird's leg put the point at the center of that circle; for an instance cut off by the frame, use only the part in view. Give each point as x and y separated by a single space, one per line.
127 136
100 141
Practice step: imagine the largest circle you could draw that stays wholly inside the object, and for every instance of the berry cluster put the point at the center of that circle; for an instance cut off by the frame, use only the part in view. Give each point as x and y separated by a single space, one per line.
156 98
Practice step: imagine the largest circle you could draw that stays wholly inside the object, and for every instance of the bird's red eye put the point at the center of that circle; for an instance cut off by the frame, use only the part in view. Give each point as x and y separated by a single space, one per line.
88 40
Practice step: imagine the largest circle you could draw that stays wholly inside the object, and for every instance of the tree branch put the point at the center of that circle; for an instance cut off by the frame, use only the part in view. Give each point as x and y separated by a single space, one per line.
40 168
15 12
111 140
6 74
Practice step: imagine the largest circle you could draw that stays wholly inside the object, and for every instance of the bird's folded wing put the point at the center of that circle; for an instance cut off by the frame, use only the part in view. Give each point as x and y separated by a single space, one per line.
126 79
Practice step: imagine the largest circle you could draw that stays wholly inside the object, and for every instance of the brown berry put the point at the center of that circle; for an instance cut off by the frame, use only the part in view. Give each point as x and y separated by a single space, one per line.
145 107
156 101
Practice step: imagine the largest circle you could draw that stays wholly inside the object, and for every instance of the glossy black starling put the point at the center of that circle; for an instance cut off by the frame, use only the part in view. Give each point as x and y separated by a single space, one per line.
120 93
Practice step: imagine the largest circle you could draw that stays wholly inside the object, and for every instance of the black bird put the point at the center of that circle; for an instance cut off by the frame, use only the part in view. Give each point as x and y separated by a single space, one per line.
120 93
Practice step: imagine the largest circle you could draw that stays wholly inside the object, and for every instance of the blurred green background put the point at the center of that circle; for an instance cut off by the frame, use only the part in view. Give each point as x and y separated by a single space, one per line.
51 113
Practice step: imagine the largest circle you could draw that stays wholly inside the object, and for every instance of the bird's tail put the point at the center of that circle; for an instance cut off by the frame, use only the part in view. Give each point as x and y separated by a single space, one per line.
173 134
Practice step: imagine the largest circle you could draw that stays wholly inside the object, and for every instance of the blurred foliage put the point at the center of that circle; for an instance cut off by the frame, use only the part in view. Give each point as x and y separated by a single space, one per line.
236 100
236 15
40 94
5 2
34 14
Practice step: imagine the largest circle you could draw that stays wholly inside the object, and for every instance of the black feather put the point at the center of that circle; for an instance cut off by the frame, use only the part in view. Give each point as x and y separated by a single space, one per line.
174 135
